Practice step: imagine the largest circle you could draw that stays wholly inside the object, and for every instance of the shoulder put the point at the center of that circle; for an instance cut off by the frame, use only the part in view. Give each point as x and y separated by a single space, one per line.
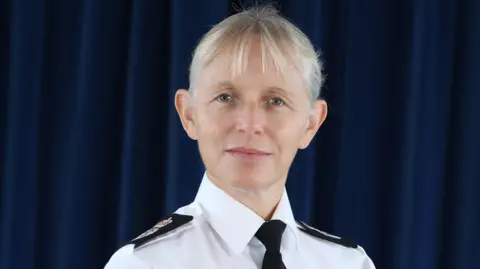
169 226
124 258
324 236
163 237
339 250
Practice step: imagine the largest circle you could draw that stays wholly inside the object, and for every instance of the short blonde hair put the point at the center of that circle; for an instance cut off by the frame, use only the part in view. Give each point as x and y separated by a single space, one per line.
282 44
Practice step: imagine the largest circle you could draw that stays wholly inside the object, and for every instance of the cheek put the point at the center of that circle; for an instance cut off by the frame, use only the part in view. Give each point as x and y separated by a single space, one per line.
211 125
287 131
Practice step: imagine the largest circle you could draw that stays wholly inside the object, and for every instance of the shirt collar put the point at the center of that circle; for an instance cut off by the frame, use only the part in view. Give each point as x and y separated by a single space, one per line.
237 224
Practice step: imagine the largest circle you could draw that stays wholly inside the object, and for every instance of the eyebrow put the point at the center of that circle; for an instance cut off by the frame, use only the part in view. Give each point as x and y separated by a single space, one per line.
228 85
223 84
278 89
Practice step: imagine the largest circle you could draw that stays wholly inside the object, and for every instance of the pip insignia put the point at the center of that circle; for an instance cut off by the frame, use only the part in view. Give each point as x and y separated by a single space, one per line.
167 225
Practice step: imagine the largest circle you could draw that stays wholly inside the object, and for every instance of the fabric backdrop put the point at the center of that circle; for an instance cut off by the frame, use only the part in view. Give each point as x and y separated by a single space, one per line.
92 152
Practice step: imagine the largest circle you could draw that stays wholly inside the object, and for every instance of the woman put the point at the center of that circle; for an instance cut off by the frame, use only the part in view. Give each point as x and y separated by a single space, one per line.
253 102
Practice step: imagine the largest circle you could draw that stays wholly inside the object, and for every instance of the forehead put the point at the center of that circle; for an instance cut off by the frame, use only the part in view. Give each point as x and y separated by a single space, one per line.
252 63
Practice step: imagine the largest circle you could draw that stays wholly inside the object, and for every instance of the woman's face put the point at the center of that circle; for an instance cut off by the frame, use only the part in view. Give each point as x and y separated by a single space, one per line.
249 127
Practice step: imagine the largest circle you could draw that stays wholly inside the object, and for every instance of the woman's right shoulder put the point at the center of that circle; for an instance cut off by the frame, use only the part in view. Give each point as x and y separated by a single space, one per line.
125 258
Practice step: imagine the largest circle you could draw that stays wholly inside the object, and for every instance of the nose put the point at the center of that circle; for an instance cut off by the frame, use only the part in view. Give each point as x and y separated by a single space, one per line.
250 119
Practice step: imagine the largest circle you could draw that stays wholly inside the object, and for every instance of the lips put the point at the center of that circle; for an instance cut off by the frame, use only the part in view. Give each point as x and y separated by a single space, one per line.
248 154
247 151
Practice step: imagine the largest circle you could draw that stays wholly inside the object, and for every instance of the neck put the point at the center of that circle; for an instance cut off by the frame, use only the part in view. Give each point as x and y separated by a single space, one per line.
263 200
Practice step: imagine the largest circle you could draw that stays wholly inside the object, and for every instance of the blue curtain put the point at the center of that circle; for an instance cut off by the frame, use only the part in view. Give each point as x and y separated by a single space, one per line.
92 152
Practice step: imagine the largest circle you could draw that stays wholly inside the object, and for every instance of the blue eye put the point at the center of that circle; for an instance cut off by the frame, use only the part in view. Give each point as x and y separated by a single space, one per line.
224 98
276 102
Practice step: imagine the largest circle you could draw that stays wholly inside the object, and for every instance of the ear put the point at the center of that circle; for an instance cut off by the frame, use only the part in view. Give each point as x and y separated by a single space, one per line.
183 104
315 120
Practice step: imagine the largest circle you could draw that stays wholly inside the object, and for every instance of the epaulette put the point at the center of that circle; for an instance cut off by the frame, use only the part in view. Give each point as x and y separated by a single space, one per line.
325 236
167 225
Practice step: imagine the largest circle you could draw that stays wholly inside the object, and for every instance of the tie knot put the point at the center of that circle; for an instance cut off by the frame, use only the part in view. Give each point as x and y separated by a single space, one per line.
270 234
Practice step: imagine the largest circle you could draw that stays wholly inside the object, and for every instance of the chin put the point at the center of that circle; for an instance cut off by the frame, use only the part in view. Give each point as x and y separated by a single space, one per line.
251 181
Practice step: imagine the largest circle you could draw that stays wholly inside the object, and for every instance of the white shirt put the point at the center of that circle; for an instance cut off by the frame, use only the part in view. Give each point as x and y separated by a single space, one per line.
221 235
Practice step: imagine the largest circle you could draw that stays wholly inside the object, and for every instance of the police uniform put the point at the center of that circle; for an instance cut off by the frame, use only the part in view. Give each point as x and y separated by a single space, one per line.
216 231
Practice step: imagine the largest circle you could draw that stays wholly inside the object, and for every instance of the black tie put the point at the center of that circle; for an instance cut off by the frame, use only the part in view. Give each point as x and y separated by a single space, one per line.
270 234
